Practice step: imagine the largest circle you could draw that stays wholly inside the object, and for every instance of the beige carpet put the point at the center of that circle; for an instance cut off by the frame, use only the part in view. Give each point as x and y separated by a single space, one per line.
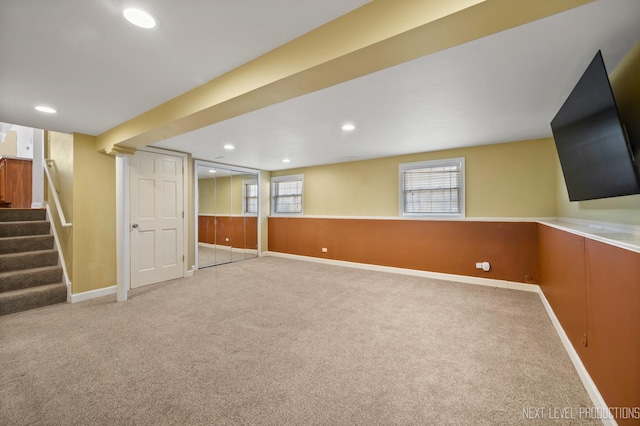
281 342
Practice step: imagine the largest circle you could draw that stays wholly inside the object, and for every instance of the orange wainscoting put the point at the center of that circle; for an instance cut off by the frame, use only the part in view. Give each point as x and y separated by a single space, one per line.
451 247
242 232
594 290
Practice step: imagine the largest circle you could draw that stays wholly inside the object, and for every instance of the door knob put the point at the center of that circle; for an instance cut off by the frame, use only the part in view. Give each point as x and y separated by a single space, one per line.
134 226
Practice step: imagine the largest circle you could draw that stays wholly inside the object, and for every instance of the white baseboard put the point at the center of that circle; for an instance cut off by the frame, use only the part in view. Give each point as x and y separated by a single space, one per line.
189 272
88 295
413 272
587 382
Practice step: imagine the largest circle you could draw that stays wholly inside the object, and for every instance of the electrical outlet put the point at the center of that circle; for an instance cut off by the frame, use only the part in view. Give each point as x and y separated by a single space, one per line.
485 266
226 239
324 249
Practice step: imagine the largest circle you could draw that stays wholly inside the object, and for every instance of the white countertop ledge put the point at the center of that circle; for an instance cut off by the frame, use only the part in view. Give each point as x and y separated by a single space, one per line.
623 236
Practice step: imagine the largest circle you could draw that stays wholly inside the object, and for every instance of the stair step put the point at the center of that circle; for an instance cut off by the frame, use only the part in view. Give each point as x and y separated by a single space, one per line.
31 298
25 243
17 215
26 278
22 228
28 260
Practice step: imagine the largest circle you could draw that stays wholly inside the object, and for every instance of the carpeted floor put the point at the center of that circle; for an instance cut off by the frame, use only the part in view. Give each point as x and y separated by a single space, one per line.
282 342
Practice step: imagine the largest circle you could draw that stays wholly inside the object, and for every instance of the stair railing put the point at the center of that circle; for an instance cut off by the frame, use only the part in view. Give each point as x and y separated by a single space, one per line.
63 222
56 239
55 191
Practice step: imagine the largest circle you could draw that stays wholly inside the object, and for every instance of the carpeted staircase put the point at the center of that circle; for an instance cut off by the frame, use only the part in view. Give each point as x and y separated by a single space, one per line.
30 274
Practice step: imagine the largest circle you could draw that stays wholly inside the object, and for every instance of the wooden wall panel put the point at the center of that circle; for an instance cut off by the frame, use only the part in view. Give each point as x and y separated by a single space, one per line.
216 230
451 247
222 230
594 290
203 229
15 183
561 266
613 318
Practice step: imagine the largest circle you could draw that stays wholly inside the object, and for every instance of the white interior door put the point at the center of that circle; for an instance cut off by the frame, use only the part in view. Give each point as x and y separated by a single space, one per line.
157 237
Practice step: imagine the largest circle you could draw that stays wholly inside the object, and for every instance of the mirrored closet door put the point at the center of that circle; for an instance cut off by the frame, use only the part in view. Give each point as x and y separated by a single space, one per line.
227 214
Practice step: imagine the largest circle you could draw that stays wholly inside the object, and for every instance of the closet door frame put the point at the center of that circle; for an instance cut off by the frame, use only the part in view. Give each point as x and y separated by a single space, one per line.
211 164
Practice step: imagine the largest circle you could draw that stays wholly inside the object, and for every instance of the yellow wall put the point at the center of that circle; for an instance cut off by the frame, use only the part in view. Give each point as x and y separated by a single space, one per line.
59 148
626 87
505 180
9 148
94 219
206 196
222 195
624 210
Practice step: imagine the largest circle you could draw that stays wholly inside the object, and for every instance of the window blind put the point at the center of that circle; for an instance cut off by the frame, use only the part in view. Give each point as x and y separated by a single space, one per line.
287 196
432 190
251 197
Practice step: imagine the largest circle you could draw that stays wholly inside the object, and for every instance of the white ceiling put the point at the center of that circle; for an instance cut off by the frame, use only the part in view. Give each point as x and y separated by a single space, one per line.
85 60
500 88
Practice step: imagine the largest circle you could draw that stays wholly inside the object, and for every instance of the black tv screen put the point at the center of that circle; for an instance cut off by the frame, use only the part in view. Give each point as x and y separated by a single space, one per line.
595 154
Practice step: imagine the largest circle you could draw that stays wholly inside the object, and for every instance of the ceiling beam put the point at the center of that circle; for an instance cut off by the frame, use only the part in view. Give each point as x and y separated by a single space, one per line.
380 34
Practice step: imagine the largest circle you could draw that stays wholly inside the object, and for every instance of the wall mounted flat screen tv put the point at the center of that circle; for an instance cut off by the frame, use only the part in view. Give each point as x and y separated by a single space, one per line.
595 153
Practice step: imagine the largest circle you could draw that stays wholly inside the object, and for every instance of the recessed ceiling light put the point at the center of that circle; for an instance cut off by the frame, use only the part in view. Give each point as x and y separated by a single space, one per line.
348 127
46 109
212 171
286 160
139 18
229 147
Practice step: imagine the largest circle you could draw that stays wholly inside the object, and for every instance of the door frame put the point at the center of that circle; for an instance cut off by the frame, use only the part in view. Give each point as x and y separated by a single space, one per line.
196 199
123 218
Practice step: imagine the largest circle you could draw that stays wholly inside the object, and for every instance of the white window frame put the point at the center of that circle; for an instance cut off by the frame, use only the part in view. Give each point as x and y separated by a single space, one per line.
244 197
460 162
288 178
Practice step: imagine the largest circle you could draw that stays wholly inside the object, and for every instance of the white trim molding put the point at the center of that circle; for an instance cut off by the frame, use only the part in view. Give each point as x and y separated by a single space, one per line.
275 180
587 381
458 162
413 272
37 172
123 237
423 218
93 294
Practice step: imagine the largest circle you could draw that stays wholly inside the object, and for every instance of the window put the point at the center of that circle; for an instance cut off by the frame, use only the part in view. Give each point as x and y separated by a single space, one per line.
432 188
286 195
250 196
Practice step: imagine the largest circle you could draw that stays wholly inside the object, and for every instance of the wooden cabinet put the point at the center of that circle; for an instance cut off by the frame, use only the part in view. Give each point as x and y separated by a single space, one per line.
15 183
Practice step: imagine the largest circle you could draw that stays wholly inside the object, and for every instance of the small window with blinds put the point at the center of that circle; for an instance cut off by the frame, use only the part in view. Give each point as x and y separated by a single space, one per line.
250 197
286 194
432 188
